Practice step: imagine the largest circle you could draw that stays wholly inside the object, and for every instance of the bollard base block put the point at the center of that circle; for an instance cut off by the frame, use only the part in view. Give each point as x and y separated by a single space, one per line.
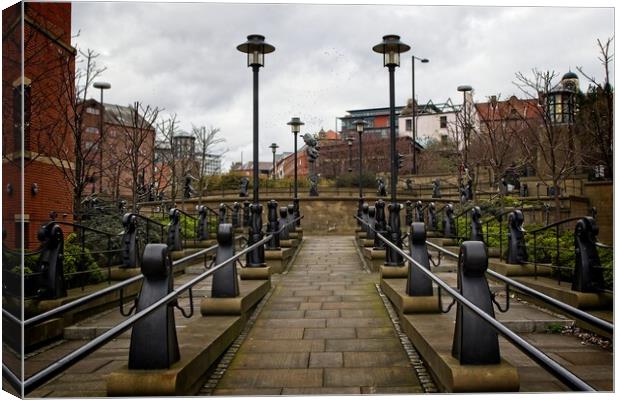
388 271
365 242
564 293
299 231
120 274
202 343
255 273
374 257
450 375
394 289
203 244
517 269
361 235
250 293
289 243
277 260
293 235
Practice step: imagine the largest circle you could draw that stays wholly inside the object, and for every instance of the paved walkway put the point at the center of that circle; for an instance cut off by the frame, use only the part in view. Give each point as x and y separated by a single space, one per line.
323 331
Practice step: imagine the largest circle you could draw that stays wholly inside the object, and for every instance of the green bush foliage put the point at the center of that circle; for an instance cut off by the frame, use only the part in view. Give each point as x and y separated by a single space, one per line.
74 258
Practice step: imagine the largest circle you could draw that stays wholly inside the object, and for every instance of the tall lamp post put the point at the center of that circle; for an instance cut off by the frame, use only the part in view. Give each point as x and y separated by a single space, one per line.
465 89
350 144
391 47
359 127
255 48
101 86
295 124
273 148
414 111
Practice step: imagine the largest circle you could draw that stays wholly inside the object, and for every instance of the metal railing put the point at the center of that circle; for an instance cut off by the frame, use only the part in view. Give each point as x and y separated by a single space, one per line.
568 309
546 362
44 375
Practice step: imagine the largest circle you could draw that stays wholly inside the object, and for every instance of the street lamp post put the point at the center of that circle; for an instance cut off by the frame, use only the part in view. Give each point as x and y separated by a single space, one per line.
350 144
414 111
391 47
295 124
359 127
255 48
273 148
101 86
465 89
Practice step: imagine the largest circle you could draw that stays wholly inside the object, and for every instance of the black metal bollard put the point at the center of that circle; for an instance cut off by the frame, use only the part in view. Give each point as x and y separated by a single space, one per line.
284 223
154 342
246 213
380 224
235 215
50 262
365 218
449 230
476 224
360 205
130 249
436 189
419 211
256 257
418 284
392 257
273 226
174 231
225 282
432 216
408 212
475 342
297 213
371 222
291 216
202 228
588 275
517 252
222 214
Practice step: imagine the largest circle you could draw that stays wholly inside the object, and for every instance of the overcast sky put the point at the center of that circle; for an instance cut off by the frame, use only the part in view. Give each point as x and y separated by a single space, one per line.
182 57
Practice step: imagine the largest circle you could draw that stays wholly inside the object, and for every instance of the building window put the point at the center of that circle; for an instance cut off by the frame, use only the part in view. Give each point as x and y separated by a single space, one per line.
444 139
408 125
443 121
92 110
92 129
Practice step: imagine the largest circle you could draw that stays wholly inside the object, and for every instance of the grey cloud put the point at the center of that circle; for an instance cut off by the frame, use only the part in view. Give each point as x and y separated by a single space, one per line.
182 57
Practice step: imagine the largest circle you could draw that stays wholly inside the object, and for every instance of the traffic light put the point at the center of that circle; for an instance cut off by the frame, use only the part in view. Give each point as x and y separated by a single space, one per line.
401 160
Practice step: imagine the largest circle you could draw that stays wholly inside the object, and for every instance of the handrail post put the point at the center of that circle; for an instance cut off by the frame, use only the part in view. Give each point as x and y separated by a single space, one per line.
154 342
284 224
588 274
475 342
246 214
408 213
202 229
449 230
225 282
418 284
476 225
273 226
517 252
50 262
379 224
174 232
235 215
130 248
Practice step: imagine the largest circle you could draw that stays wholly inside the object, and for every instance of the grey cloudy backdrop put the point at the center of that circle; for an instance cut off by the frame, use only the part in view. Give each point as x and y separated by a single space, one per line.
183 57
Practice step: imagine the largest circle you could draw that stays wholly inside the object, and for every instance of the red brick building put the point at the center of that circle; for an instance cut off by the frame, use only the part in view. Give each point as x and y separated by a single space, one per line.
49 66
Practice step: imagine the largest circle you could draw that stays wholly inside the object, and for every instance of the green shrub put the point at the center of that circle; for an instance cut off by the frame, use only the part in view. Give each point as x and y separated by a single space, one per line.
74 258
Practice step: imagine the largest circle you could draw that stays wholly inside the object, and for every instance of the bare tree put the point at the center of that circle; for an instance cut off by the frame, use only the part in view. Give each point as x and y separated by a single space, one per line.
206 139
166 176
137 138
77 162
595 119
546 144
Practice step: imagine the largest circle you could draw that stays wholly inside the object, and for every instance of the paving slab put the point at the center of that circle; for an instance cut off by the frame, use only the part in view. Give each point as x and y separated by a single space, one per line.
348 346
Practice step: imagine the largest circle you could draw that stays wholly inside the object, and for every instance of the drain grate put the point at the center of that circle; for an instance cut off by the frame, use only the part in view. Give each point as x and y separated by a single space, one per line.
414 357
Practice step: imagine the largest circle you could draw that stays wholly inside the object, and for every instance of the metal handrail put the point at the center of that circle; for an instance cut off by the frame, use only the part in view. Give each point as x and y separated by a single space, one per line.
11 378
104 291
147 219
87 228
553 367
187 214
80 353
554 224
575 312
